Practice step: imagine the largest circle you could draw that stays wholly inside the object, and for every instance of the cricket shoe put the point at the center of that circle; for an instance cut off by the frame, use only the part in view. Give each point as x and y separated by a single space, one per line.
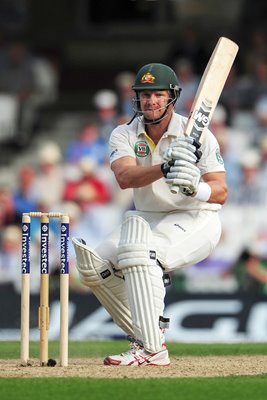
138 356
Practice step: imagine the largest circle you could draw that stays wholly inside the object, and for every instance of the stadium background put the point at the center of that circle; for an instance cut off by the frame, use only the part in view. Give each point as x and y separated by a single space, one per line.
87 45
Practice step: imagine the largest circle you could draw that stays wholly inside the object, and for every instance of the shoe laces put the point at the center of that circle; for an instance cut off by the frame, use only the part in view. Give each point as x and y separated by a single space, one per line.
135 345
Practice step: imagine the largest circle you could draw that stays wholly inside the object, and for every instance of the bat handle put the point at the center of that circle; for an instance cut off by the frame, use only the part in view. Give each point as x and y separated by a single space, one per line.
175 189
184 189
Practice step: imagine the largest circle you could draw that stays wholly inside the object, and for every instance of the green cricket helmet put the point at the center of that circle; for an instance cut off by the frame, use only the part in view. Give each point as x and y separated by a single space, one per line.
156 77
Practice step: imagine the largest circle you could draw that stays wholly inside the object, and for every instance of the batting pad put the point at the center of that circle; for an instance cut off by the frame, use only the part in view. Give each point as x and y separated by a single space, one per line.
144 282
109 289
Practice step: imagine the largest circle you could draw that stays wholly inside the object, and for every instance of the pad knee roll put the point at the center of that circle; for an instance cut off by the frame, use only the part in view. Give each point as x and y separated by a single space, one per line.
135 242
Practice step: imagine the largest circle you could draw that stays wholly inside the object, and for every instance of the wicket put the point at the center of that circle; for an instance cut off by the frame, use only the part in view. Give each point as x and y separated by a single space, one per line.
43 313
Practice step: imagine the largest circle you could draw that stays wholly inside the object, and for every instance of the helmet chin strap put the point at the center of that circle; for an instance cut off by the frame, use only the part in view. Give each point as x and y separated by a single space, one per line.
156 121
146 121
164 115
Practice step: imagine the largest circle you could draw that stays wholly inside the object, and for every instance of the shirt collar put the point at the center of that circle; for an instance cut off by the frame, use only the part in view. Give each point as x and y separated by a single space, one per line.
173 128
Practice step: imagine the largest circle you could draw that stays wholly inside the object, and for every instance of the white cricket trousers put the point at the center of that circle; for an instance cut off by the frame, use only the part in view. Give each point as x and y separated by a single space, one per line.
180 238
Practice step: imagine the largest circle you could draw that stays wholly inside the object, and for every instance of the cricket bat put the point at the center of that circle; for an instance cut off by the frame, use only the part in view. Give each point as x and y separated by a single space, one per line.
210 89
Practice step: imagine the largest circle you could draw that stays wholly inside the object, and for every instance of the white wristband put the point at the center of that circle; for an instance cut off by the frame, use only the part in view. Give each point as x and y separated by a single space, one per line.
203 192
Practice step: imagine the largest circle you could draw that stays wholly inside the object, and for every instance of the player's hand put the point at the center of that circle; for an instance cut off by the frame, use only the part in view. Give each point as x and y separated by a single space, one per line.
185 175
184 148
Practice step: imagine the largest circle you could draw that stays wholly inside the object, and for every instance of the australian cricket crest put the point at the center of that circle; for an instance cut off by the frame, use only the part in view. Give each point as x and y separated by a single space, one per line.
218 156
148 78
141 148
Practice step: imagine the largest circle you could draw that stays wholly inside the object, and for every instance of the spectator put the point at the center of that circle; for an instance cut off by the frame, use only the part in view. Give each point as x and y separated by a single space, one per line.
256 48
124 82
10 254
256 261
106 104
250 191
260 113
17 76
253 86
17 81
25 85
46 81
88 144
88 190
233 144
7 207
232 95
8 117
263 152
249 197
189 83
23 197
49 182
259 79
190 47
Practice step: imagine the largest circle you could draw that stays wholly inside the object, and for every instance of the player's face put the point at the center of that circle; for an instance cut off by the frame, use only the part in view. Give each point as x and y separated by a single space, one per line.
153 103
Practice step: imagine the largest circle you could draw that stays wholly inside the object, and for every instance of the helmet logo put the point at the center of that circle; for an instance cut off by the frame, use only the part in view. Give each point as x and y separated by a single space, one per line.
147 78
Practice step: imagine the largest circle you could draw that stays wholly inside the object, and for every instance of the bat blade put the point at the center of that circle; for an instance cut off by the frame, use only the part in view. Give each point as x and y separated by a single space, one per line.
211 86
210 89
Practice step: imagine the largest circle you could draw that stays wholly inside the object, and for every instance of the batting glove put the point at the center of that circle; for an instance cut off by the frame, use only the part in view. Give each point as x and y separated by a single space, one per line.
185 175
184 148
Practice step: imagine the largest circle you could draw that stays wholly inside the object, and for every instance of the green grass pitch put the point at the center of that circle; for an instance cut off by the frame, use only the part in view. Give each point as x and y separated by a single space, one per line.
219 388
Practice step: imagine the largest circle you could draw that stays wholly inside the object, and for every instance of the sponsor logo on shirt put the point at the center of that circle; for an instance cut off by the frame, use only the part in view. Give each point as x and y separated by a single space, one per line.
113 153
141 148
179 226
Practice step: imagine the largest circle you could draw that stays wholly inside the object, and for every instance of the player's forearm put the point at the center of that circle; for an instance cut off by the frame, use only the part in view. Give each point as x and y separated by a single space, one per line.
218 185
219 192
138 176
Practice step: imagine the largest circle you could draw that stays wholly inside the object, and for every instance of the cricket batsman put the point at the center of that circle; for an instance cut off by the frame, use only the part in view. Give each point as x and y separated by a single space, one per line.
167 230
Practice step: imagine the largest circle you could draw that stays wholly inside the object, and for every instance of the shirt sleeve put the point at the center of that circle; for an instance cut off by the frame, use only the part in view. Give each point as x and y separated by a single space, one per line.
119 144
211 159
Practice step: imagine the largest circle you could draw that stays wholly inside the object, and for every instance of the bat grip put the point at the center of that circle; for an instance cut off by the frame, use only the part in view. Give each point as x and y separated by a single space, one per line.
174 189
186 191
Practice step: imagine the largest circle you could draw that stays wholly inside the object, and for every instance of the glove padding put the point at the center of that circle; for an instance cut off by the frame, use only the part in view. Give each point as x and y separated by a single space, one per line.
166 167
185 175
184 148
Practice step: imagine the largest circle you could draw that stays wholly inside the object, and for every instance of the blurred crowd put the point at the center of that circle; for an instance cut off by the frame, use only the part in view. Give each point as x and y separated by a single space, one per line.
77 179
28 82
